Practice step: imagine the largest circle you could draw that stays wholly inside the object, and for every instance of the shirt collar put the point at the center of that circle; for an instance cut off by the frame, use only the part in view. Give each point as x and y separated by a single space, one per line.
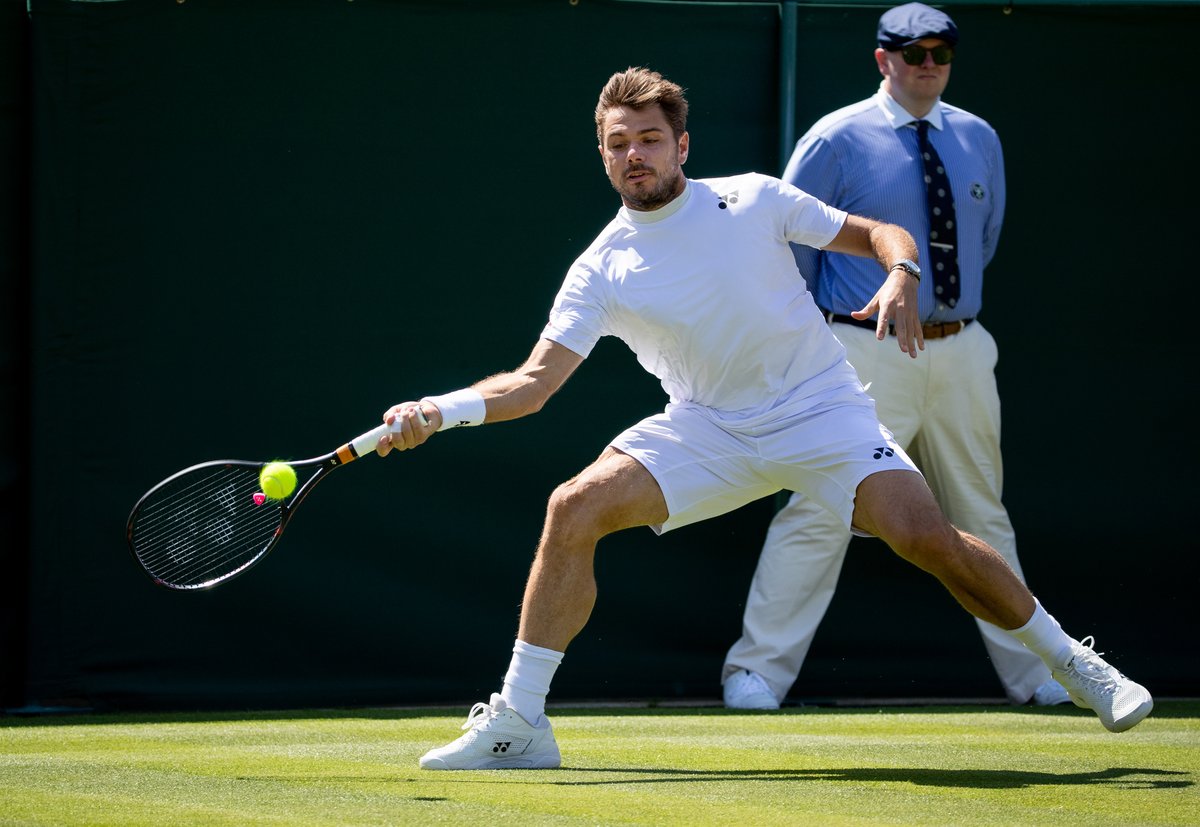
898 116
665 211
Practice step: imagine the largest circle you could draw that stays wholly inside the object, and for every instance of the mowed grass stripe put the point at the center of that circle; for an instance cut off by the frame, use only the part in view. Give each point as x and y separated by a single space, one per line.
925 765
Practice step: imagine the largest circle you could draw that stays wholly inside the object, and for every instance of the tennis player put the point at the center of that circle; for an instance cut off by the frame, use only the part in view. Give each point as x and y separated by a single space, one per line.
698 278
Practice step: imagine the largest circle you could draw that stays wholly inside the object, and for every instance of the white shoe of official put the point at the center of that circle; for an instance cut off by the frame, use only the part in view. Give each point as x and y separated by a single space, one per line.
1093 684
747 690
1051 693
497 739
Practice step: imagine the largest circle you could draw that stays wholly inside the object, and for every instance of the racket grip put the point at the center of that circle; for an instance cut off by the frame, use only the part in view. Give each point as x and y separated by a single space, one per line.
365 443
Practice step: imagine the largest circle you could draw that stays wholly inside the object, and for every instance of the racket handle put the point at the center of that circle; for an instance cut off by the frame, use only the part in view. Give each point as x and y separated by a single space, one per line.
365 443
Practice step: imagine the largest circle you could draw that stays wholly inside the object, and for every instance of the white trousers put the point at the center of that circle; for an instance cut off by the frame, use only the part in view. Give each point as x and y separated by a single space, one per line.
944 409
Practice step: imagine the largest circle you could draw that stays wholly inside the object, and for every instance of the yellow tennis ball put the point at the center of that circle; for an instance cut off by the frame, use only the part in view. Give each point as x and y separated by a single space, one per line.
278 480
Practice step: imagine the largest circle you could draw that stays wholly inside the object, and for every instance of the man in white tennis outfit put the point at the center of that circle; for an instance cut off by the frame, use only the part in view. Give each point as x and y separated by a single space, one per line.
698 278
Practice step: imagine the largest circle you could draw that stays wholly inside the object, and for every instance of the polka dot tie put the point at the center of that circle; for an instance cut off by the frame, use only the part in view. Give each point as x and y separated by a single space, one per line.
943 234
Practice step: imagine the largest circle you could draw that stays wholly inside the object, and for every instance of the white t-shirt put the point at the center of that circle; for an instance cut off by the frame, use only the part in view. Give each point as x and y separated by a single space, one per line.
708 297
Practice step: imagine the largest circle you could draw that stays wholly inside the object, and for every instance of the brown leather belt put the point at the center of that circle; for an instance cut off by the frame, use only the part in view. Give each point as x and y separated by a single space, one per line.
931 330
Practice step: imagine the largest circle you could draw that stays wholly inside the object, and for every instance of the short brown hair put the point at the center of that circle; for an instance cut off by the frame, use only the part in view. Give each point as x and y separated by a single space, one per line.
638 88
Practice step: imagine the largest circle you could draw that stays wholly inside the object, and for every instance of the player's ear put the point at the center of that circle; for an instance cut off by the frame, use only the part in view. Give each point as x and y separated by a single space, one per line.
683 147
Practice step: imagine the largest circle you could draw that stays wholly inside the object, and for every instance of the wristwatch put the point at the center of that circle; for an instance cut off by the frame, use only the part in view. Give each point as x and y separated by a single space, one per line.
909 267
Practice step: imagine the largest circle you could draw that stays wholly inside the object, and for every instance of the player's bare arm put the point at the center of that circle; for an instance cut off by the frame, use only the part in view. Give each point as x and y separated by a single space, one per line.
506 396
896 299
525 390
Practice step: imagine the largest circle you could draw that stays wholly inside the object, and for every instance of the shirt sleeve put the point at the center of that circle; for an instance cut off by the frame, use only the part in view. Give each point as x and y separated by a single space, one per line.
813 168
808 220
576 319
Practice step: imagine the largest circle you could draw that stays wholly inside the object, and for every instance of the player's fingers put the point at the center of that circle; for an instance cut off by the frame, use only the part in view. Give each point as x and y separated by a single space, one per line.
384 446
409 427
867 311
418 418
415 428
881 328
394 417
904 336
914 339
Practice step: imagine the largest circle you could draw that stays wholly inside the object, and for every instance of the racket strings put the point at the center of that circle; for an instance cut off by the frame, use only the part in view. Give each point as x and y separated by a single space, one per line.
204 526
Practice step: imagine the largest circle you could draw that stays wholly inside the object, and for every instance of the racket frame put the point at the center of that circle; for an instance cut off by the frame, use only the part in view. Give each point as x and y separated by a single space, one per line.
344 455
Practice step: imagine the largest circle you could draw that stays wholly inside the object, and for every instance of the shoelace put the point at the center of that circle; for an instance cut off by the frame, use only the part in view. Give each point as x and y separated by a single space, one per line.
1088 664
481 713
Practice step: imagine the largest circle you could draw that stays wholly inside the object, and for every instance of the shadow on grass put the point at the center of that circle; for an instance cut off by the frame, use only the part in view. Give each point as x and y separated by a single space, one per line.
1126 778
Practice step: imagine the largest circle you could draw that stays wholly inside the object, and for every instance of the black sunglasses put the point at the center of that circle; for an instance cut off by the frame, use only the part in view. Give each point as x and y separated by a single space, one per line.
914 55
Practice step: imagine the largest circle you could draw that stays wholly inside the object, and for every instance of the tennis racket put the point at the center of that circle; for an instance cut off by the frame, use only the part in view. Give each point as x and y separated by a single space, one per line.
211 522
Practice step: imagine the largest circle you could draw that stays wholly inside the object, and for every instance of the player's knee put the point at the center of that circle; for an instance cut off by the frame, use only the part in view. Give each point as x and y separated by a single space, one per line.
576 510
931 545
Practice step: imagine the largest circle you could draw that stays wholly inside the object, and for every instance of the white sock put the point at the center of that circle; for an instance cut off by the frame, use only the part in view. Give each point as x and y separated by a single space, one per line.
528 680
1045 638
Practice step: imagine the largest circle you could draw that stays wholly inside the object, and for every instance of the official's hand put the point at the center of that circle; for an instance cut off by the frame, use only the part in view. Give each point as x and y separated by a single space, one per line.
896 304
418 421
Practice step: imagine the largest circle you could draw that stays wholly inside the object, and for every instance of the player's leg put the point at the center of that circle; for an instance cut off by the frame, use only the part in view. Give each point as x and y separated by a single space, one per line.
898 507
793 584
511 731
667 471
960 456
614 493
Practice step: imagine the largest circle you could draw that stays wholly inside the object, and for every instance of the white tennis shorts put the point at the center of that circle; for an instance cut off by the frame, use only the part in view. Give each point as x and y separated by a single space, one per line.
706 467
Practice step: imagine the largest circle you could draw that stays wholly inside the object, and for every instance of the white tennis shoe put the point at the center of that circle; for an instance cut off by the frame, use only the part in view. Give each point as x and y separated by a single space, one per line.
497 739
1093 684
1051 693
748 690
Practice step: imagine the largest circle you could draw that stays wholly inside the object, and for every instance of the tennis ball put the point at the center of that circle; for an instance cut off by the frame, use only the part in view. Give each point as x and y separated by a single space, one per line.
278 480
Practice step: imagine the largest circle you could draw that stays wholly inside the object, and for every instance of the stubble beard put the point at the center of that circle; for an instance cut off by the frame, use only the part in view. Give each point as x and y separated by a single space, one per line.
663 193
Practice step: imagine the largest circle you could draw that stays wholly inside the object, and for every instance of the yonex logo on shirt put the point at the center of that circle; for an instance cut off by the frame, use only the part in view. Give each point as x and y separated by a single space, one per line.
882 452
727 199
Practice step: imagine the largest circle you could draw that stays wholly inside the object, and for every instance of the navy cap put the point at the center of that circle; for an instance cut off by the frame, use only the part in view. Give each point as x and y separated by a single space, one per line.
911 22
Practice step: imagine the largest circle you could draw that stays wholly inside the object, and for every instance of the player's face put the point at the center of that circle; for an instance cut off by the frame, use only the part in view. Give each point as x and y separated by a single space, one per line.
914 86
643 159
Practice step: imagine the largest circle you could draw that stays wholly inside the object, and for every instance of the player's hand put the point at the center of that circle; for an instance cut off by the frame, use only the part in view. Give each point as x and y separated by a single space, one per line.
417 422
896 304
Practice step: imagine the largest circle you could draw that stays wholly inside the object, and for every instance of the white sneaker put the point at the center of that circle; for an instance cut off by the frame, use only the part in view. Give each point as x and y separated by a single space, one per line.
747 690
498 739
1093 684
1051 693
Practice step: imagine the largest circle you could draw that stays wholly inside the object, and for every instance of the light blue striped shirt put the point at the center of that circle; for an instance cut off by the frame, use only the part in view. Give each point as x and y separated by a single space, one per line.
863 159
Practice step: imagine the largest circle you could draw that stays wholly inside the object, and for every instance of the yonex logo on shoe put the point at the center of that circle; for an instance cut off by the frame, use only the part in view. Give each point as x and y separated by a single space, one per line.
880 453
502 746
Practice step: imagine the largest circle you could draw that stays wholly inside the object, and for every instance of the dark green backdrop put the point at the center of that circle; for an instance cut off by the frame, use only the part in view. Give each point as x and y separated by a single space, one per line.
245 228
